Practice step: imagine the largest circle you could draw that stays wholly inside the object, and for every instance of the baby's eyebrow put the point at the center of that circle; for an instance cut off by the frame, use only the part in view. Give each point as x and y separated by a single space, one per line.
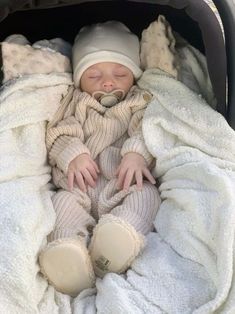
93 71
122 70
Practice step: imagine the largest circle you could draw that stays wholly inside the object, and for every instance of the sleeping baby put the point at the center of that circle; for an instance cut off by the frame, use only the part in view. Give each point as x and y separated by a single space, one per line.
106 200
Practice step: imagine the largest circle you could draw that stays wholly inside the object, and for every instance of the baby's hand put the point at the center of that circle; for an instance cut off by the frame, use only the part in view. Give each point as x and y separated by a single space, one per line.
84 170
132 169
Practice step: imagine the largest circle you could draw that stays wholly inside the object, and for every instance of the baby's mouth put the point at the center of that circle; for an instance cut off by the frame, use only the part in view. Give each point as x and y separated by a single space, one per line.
109 99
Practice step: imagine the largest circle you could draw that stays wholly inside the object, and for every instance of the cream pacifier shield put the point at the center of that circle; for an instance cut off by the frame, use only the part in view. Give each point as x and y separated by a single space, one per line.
109 99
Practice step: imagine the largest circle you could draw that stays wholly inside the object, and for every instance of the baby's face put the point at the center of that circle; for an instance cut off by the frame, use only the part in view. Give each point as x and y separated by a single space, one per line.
106 76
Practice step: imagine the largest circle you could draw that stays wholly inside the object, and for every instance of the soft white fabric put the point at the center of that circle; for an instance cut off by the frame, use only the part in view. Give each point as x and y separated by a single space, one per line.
111 41
17 39
19 60
157 47
26 212
195 150
163 49
55 44
193 71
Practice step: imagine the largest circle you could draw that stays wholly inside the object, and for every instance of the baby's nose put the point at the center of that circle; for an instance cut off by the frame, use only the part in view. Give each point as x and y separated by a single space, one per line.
108 85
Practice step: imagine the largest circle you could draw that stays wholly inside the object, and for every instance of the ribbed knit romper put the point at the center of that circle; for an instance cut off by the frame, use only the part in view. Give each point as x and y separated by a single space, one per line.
83 125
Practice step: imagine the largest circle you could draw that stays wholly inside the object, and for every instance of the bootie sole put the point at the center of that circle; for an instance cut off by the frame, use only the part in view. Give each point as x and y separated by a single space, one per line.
67 266
114 245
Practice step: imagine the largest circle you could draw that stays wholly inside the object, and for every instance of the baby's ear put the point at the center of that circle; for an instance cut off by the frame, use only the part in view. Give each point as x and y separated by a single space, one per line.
157 47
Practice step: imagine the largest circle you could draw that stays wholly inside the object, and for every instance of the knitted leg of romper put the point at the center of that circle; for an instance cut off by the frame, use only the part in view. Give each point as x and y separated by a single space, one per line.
139 208
118 237
65 262
73 217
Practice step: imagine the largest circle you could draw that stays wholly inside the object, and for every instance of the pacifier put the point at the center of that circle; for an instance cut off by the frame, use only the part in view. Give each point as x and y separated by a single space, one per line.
109 99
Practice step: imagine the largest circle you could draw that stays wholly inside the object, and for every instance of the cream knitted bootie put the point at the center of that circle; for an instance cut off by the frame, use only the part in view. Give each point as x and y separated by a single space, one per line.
114 245
67 266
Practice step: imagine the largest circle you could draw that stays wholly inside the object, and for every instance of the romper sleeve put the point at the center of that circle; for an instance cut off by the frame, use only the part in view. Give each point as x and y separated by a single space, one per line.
135 143
65 139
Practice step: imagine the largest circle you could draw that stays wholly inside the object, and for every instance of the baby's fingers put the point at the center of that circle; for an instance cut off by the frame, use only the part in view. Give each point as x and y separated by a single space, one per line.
128 180
93 172
89 178
121 177
80 181
95 166
139 179
149 176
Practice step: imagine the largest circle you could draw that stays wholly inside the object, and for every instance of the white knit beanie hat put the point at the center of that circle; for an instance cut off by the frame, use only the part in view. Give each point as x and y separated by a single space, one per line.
105 42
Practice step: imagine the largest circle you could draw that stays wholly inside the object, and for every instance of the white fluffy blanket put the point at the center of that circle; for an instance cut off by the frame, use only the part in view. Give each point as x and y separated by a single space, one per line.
195 151
26 212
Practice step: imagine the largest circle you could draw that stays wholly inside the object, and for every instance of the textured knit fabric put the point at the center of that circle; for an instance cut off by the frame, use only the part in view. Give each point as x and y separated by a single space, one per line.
83 125
73 209
89 127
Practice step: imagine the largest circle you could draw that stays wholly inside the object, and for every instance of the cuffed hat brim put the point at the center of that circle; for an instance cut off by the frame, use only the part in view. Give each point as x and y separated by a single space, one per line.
104 56
111 41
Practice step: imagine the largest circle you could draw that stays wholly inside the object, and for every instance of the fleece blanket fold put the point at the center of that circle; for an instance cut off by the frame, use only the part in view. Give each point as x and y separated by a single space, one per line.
26 212
195 151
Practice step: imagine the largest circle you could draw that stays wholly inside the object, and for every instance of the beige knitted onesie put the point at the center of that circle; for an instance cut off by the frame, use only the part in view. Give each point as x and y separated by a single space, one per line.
83 125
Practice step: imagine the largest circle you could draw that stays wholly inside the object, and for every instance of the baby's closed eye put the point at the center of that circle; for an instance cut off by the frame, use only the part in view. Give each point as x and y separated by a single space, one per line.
120 75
